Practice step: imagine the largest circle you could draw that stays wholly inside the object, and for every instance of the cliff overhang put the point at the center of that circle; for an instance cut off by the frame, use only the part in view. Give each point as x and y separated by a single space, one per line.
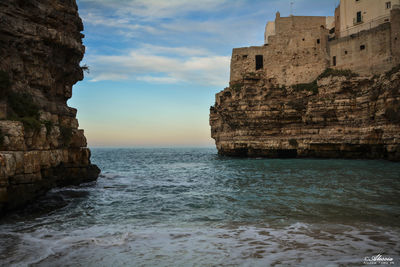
339 115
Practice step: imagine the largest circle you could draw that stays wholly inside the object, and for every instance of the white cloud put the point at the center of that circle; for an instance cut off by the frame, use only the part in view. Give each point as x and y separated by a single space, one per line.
109 77
154 79
146 64
178 51
120 23
156 9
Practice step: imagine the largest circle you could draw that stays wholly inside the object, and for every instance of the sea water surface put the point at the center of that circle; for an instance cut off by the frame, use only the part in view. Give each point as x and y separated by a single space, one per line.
191 207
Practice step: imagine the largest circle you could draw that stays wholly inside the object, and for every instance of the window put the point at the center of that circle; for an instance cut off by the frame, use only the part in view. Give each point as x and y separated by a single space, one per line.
334 61
318 41
359 17
362 47
304 39
244 56
388 5
345 52
259 62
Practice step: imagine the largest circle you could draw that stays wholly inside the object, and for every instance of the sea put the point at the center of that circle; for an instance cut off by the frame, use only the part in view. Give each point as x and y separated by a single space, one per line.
192 207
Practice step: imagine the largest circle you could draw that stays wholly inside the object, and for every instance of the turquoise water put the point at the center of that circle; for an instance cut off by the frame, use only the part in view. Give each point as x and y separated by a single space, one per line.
191 207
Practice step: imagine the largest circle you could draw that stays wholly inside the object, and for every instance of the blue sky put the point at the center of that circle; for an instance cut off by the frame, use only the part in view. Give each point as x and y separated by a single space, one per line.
156 65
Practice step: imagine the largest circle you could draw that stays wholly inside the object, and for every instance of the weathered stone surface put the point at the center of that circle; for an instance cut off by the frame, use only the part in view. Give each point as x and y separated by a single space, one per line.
348 118
40 51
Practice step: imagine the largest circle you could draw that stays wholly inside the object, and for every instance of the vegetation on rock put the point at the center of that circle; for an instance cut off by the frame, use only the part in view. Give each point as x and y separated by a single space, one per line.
392 113
66 134
312 87
392 71
337 73
4 83
85 68
293 142
237 87
23 109
1 138
49 125
298 105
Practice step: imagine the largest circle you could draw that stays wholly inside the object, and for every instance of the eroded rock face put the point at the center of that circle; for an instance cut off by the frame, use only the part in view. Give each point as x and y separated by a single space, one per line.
40 144
355 117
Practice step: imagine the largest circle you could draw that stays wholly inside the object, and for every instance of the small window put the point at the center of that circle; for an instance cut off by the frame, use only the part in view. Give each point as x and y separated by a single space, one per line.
359 17
304 39
244 56
388 5
318 41
334 61
345 52
362 47
259 62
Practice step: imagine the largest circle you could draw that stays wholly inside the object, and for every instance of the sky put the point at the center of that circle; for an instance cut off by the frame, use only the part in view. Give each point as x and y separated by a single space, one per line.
156 65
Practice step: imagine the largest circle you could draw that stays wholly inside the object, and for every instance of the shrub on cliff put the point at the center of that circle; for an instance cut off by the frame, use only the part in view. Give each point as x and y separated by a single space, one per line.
85 68
1 138
334 72
312 87
4 80
293 143
25 110
392 71
49 125
392 114
4 83
237 87
298 105
66 135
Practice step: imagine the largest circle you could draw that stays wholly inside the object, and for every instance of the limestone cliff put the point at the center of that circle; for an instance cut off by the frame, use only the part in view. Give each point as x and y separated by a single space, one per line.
40 144
337 116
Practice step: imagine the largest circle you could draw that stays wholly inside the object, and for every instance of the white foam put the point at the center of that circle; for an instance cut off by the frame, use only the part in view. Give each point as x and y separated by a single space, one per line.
299 243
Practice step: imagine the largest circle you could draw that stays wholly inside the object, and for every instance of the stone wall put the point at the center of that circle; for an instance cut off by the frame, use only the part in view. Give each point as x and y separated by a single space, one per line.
297 53
372 13
40 144
395 33
367 52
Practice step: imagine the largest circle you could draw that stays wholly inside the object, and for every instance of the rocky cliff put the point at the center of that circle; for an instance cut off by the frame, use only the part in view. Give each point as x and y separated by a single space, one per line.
339 115
40 144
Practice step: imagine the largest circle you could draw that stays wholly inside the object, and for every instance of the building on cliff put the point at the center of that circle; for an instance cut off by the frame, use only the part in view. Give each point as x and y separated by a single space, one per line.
40 144
318 87
363 37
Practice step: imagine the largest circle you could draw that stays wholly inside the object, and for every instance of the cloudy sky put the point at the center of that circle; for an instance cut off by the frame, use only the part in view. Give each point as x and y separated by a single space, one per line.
156 65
